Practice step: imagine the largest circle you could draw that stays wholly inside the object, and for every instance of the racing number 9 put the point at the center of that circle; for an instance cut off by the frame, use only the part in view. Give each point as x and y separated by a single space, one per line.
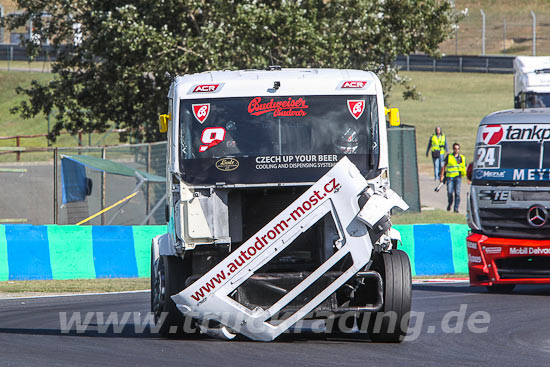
211 136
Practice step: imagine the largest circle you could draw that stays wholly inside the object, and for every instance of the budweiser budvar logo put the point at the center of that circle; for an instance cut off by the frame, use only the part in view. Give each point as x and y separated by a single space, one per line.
290 107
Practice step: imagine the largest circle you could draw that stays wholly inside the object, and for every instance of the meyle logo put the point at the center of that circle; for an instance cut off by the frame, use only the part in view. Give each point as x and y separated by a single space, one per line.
491 134
479 174
471 245
356 84
205 88
474 259
532 174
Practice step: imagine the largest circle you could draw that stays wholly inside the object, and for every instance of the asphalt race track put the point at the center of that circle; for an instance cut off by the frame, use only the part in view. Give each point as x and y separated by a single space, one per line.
517 334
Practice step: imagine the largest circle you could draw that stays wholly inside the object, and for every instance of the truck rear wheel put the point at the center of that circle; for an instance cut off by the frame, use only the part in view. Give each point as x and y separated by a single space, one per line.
390 325
168 275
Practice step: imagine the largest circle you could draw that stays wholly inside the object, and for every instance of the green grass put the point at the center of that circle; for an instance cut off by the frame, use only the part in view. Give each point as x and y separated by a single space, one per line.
11 125
42 66
23 288
75 285
428 216
455 101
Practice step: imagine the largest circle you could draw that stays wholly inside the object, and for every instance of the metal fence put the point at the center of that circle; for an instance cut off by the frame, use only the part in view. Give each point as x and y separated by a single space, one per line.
403 164
414 62
32 191
492 31
18 53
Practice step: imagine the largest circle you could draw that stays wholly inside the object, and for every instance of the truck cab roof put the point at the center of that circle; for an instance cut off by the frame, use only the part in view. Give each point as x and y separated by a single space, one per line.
276 81
528 64
518 116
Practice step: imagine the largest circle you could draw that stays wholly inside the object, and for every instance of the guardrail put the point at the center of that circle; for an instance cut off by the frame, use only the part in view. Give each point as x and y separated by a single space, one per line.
457 63
19 53
452 63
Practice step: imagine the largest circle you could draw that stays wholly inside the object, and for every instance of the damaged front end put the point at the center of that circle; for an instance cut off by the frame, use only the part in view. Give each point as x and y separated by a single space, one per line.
324 252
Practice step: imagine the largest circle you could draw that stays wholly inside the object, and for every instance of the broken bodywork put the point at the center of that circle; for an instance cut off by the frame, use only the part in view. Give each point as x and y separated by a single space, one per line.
337 194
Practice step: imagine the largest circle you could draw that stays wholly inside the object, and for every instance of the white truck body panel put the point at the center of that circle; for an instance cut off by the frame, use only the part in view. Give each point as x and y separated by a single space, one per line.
337 193
529 75
293 82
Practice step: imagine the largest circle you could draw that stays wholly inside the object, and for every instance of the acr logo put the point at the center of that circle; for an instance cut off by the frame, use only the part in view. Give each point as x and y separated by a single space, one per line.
492 134
201 111
356 108
206 88
355 84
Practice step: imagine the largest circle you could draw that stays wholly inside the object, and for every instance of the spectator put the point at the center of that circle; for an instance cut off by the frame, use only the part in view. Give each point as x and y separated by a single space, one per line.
438 146
454 167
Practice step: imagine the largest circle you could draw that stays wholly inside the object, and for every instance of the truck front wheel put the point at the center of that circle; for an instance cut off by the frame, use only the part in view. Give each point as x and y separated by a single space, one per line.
168 275
390 325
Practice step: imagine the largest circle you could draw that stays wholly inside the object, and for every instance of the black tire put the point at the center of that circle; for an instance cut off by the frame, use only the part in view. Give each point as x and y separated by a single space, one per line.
501 288
168 275
395 269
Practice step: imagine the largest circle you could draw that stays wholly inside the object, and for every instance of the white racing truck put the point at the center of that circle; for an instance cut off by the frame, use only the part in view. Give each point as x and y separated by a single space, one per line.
278 208
531 81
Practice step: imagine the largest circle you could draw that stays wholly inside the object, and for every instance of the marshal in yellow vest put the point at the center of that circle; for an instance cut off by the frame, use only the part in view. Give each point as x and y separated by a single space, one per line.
455 168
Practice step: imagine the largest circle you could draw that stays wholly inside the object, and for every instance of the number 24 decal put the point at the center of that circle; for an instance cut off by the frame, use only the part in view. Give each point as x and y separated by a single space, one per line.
488 156
211 136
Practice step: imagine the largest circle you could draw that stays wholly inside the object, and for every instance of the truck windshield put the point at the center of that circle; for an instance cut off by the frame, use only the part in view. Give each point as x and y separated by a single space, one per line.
277 133
518 153
536 100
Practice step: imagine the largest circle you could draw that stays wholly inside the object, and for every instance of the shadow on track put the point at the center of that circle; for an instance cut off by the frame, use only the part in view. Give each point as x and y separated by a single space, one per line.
129 333
521 289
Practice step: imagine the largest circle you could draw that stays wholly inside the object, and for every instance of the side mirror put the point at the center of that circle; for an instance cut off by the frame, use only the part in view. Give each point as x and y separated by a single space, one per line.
163 122
469 171
393 116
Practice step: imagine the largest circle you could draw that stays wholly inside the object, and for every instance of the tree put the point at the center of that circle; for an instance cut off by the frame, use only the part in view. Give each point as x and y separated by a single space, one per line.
116 58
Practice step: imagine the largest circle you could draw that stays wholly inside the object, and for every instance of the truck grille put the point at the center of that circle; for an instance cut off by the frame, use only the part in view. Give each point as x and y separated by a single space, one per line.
524 267
510 223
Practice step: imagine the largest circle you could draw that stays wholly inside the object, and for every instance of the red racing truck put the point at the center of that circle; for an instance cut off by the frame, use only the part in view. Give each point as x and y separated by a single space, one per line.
509 201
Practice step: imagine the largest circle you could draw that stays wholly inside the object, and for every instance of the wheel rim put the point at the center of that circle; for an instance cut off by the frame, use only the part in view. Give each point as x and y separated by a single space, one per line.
159 289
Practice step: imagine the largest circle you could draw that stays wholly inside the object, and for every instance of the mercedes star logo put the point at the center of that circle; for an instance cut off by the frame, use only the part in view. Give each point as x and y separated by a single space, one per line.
537 215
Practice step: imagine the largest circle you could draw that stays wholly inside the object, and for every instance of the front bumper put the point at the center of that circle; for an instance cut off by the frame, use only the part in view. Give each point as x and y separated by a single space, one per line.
493 260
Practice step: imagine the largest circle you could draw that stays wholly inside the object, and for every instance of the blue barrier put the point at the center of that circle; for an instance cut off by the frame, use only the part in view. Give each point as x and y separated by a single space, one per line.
85 252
